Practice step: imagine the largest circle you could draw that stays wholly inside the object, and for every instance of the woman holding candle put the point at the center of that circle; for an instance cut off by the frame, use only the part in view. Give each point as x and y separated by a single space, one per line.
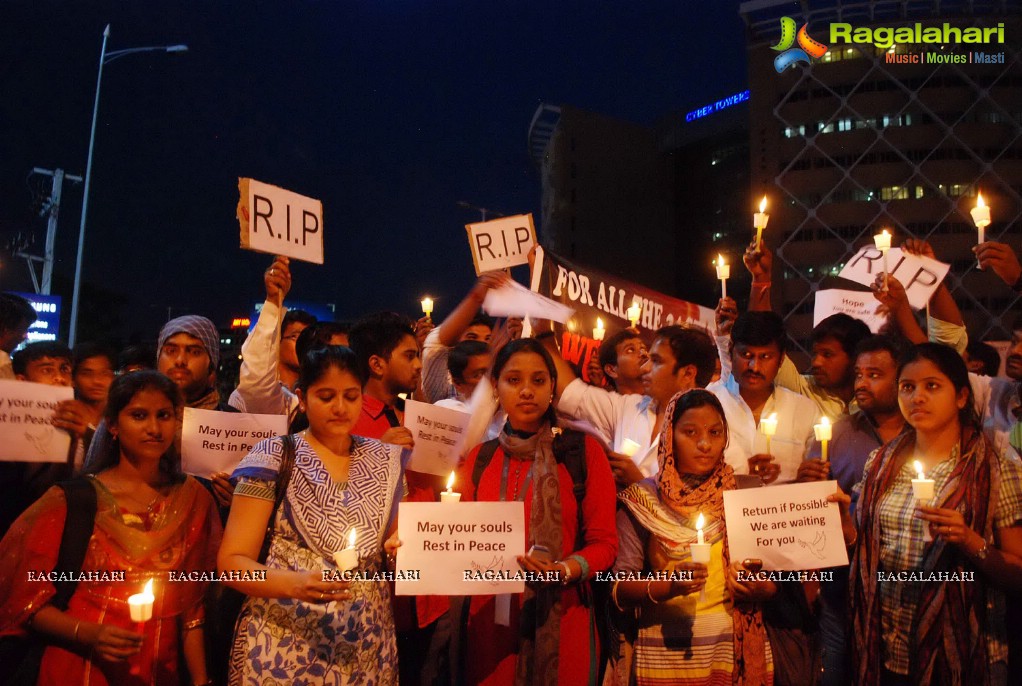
704 624
304 622
549 635
150 521
938 631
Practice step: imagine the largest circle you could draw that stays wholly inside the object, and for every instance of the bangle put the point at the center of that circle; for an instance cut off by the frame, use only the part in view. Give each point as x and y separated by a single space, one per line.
195 623
566 579
583 564
855 539
649 594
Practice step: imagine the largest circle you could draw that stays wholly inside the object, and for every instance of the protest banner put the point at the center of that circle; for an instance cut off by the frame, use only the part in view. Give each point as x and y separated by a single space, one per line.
26 430
919 275
216 441
439 433
790 527
595 294
501 243
279 222
460 548
859 304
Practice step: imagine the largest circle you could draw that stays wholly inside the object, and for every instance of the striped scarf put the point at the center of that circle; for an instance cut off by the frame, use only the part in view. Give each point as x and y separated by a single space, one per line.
947 643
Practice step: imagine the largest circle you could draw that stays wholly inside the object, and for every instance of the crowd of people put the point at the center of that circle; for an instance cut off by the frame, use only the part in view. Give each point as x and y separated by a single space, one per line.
612 473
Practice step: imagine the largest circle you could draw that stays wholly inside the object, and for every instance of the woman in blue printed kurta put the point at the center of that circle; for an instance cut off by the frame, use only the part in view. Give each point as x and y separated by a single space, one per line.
302 625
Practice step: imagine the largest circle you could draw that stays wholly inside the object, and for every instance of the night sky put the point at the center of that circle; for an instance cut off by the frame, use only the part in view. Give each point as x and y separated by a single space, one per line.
389 111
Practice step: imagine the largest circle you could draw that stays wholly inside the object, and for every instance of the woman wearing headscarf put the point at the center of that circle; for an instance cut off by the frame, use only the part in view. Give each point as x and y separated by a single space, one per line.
703 623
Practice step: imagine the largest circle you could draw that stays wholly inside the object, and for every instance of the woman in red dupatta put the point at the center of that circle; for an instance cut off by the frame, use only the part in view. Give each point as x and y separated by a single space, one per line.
152 523
933 612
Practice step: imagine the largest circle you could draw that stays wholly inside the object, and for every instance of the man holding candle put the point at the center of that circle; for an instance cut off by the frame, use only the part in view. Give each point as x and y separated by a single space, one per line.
854 437
829 382
748 394
681 359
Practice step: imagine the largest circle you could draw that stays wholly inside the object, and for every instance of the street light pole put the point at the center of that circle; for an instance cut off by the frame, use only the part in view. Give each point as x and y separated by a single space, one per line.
104 58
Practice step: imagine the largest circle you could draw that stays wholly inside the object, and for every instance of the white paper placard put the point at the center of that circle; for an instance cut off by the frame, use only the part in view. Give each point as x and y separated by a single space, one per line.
501 243
790 527
216 441
859 304
460 548
515 300
280 222
438 433
26 430
919 275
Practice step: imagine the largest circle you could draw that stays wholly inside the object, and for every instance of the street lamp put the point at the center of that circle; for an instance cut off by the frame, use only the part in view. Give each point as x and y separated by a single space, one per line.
104 58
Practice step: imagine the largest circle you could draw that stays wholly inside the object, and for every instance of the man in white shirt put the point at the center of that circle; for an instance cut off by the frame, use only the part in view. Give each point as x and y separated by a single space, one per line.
680 359
749 395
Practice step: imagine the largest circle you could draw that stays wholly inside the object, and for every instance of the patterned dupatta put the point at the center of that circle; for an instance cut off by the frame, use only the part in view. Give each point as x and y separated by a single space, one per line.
540 624
669 515
947 644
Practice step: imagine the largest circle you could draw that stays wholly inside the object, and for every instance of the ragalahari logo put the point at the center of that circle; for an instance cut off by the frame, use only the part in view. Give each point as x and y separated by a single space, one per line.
807 50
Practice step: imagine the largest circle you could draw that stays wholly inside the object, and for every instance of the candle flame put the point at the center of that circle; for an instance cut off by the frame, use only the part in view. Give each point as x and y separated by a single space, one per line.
700 521
351 538
720 260
979 200
919 468
427 305
148 588
886 232
599 323
450 482
772 417
762 205
825 421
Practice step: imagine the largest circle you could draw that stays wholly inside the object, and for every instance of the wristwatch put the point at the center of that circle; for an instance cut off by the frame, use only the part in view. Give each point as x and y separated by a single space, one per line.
981 554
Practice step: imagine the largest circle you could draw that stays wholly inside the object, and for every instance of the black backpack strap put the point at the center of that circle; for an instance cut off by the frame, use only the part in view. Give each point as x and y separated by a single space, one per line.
483 457
287 465
74 541
570 450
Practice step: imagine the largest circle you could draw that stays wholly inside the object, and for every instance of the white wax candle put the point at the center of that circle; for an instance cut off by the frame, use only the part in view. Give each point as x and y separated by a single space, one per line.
768 425
760 219
427 306
140 605
823 433
634 312
449 496
347 559
629 447
980 215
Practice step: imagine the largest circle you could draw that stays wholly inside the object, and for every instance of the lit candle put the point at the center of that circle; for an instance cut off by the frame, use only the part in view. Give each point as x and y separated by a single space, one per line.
634 312
981 217
427 306
723 273
347 559
883 243
140 605
700 551
629 447
922 489
759 222
768 427
599 331
823 434
449 496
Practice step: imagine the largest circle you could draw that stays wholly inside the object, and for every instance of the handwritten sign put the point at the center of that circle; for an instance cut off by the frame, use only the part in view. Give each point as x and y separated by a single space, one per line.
216 441
859 304
280 222
501 243
919 275
26 430
790 527
460 548
438 433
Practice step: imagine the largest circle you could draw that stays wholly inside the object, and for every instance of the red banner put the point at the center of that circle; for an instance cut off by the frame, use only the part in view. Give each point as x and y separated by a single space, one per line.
594 294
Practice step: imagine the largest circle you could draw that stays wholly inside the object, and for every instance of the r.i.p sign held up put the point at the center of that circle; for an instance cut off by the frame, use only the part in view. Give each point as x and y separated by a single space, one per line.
279 222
